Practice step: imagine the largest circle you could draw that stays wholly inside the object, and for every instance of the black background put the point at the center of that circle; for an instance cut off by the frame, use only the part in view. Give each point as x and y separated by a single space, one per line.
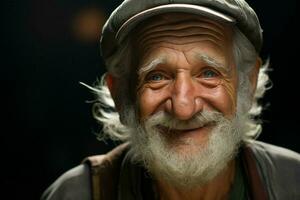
46 123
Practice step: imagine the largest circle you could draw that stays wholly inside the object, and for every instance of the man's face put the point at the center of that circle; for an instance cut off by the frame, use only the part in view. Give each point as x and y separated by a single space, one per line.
185 68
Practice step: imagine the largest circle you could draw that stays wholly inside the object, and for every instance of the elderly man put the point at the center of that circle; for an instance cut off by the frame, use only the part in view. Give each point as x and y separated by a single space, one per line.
181 92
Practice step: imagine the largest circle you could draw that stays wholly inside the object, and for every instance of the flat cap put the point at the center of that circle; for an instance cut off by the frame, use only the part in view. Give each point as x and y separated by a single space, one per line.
132 12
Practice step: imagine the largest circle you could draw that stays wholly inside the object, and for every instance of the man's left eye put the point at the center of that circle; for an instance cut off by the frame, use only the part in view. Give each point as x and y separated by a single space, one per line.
209 74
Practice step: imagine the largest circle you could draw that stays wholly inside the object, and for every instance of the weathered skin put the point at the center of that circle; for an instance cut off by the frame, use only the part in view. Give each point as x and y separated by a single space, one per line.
186 68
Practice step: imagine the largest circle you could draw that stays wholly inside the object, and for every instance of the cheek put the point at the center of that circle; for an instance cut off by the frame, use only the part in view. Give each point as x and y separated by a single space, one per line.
224 98
150 101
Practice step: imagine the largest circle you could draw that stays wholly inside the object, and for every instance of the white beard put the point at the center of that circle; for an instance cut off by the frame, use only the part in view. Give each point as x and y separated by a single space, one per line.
198 164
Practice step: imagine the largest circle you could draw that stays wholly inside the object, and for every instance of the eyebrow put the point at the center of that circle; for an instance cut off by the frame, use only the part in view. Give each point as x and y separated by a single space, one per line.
203 57
149 66
212 62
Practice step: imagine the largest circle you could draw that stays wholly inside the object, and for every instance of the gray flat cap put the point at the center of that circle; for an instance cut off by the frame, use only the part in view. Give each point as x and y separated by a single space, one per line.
132 12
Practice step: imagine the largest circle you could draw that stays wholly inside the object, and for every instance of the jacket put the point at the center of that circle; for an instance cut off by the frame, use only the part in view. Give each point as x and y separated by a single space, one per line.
272 172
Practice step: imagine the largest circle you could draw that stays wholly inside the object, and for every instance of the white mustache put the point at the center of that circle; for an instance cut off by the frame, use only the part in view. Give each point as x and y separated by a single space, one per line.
199 120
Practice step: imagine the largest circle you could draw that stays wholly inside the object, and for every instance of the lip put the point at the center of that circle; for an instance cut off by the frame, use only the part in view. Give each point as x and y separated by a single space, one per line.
181 132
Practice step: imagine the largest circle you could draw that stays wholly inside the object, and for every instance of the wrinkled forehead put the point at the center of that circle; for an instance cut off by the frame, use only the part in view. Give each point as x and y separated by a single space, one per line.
182 29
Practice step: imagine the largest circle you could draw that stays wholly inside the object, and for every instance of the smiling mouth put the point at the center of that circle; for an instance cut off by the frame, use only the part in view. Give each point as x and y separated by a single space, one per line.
183 130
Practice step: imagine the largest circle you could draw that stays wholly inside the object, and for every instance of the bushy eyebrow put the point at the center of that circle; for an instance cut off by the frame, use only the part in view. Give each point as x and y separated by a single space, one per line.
212 62
201 56
151 65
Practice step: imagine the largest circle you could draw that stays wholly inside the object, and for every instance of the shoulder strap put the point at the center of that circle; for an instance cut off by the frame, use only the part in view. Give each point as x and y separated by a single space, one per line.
104 172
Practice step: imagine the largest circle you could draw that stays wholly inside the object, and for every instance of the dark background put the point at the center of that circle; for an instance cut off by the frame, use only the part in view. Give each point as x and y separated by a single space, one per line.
48 46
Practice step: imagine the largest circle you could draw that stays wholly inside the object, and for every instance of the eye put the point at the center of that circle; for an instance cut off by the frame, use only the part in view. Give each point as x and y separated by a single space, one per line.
155 77
209 74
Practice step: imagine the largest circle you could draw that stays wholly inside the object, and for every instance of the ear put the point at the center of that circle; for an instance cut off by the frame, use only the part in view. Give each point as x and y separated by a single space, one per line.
253 76
111 83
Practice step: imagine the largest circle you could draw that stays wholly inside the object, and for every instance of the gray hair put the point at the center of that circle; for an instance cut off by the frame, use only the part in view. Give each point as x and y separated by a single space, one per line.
121 66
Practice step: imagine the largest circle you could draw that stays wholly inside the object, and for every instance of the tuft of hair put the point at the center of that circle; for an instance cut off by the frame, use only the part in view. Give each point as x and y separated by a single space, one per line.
245 58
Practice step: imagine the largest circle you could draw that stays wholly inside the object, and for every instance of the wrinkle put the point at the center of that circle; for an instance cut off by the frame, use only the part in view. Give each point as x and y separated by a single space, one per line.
230 89
191 32
186 57
181 27
166 42
182 40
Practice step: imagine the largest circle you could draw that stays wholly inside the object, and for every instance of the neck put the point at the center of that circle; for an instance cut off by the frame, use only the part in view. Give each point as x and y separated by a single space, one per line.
218 188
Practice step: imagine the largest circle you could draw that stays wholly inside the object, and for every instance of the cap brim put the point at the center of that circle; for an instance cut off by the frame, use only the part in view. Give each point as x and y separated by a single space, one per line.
185 8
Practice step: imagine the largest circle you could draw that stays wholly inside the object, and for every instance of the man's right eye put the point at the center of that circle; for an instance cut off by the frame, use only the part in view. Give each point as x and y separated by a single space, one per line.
155 77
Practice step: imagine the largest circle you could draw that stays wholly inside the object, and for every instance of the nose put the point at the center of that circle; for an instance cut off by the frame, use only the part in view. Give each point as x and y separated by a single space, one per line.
184 102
